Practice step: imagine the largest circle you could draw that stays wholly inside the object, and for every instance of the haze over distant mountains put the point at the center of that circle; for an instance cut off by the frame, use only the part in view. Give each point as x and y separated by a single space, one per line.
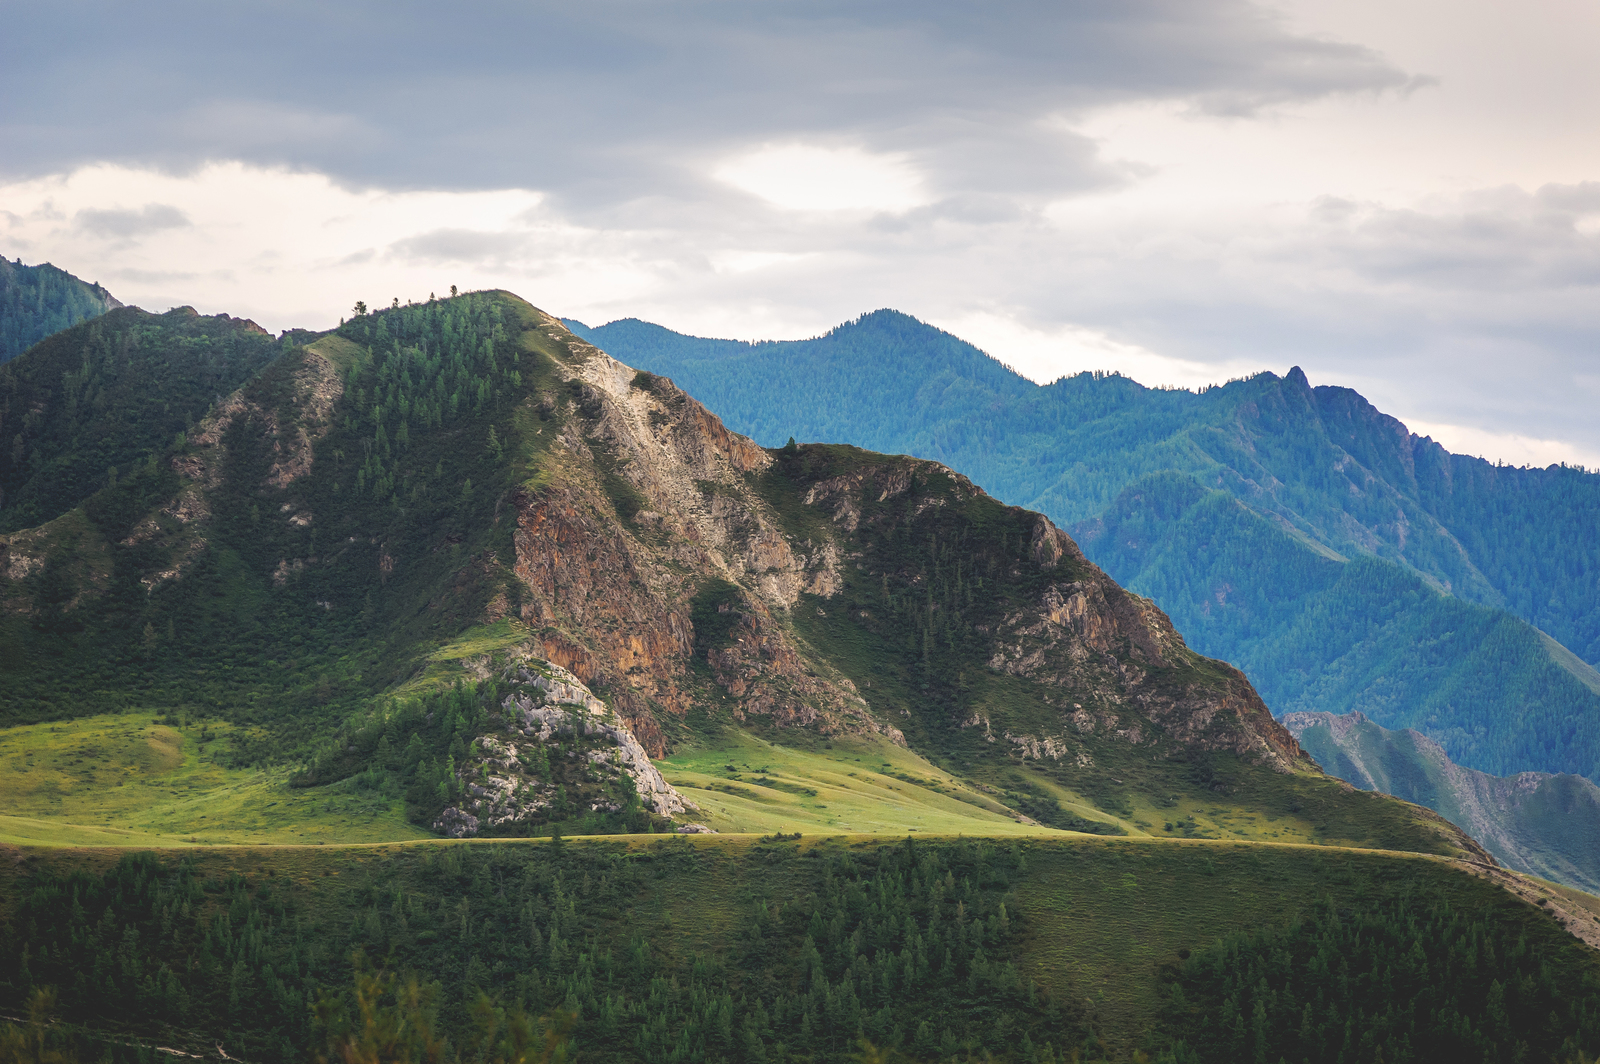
1545 825
1298 532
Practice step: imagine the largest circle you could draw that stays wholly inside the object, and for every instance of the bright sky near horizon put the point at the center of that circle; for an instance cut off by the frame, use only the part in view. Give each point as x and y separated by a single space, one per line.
1403 198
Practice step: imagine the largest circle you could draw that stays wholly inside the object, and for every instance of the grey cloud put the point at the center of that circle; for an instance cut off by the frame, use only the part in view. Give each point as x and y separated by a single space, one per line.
1582 198
460 245
126 224
604 102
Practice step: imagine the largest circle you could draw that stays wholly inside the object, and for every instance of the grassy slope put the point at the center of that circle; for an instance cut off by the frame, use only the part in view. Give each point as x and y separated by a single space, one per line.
1105 918
133 779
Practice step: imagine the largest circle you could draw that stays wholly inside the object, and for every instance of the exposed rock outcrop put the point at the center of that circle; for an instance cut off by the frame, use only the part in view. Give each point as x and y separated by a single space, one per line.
650 501
553 741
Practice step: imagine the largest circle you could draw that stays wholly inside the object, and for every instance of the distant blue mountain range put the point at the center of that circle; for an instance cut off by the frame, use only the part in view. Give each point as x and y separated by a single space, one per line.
1296 531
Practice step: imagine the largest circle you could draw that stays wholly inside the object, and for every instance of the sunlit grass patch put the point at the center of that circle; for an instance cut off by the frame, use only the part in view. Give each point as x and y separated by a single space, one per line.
136 779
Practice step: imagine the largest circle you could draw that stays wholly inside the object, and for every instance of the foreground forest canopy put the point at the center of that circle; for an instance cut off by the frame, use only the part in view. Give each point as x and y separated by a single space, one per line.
778 950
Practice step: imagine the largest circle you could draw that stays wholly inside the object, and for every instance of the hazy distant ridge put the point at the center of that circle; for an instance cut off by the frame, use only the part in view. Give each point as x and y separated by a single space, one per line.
1543 824
36 301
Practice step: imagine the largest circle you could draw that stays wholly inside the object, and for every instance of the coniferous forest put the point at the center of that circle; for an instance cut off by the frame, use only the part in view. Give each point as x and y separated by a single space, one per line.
828 953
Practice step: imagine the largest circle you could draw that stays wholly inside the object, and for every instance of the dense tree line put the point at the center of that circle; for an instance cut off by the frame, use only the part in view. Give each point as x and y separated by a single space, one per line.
918 949
914 947
1406 981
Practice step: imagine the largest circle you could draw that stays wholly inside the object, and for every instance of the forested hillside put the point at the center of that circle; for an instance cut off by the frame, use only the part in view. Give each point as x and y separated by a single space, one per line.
748 951
1330 477
339 537
1319 632
196 570
88 404
36 301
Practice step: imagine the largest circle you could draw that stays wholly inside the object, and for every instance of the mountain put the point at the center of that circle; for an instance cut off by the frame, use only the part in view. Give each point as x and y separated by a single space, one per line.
326 535
451 571
86 405
1334 478
1534 822
36 301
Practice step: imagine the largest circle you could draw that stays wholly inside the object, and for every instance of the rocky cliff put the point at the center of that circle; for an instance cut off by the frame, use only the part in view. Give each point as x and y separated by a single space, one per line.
545 712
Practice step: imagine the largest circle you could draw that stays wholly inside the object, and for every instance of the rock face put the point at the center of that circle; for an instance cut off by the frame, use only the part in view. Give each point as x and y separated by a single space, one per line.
651 508
1535 822
656 545
1010 589
553 741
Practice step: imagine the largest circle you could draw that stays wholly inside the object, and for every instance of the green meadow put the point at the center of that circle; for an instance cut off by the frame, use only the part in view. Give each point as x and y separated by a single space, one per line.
141 779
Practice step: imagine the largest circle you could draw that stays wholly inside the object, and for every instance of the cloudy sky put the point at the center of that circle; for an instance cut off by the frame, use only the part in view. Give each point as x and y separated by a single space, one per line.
1402 197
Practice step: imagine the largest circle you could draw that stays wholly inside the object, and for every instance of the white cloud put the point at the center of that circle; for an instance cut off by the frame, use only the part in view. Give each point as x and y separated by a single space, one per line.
284 248
1510 448
804 177
1046 354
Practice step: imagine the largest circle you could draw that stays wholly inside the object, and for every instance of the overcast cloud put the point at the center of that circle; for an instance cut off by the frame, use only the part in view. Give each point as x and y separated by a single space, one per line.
1404 198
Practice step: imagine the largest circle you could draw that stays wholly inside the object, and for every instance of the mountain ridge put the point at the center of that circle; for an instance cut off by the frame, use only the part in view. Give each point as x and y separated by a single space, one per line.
37 301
